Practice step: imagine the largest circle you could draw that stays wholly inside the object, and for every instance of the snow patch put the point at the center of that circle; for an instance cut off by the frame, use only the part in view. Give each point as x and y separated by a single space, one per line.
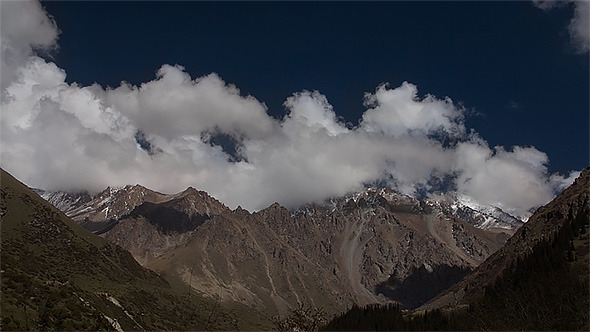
480 215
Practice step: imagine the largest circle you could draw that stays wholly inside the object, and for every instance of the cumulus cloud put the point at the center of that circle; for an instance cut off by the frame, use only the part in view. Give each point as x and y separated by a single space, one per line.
398 112
515 180
25 27
579 26
173 104
165 134
313 110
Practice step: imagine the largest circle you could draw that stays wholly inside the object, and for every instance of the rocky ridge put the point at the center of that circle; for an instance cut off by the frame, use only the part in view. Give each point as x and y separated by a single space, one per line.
374 246
64 201
57 276
484 217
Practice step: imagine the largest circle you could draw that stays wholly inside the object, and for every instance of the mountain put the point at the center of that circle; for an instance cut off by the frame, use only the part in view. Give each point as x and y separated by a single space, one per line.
538 281
151 229
56 275
113 203
544 224
64 201
480 216
374 246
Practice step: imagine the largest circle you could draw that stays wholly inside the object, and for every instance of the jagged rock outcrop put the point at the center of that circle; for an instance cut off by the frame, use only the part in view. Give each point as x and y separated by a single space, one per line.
64 201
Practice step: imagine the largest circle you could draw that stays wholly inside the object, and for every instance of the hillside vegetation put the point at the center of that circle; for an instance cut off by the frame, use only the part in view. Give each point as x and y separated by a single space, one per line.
58 276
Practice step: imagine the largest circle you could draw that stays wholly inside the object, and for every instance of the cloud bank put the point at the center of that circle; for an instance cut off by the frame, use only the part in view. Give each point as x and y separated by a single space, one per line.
174 131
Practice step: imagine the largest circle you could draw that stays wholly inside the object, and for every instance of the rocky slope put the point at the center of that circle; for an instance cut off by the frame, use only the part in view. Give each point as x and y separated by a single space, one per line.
57 276
484 217
542 225
64 201
371 247
151 229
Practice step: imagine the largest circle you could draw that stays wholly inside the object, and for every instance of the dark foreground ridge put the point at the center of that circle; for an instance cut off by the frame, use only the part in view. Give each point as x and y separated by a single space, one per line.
58 276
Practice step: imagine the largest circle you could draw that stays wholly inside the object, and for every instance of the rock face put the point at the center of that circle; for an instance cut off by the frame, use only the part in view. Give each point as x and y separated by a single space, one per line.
543 224
151 229
371 247
57 276
64 201
485 217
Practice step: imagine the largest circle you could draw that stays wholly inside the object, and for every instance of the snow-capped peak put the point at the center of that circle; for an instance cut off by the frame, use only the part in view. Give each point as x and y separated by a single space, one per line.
478 214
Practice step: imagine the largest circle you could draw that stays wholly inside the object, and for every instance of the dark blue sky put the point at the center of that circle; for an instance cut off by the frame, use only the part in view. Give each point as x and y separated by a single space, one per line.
509 63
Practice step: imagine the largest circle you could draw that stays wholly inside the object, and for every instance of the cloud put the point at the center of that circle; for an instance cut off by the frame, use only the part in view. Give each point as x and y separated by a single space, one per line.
579 26
313 110
177 131
515 180
25 27
173 104
398 112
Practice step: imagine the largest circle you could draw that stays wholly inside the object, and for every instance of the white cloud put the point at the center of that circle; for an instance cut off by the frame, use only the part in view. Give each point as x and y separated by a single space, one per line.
25 27
579 26
313 110
174 104
515 180
57 135
398 112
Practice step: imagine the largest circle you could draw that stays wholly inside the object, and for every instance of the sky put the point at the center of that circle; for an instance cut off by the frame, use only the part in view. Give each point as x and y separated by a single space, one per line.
296 102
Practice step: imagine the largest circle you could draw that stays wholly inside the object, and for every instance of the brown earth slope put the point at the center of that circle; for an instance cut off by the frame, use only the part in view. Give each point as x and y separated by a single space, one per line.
376 246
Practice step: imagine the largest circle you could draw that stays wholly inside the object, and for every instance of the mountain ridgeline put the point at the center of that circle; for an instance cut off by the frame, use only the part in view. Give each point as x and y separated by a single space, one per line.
361 259
55 275
375 246
538 281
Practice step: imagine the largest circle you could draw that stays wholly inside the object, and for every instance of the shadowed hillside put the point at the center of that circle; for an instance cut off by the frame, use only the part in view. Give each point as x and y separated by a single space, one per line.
58 276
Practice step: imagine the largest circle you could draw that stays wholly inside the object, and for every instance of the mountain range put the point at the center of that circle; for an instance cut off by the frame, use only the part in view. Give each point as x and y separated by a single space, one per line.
540 281
55 275
371 247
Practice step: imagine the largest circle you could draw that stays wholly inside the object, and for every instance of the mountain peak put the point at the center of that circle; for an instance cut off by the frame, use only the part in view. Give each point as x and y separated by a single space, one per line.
57 273
190 190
